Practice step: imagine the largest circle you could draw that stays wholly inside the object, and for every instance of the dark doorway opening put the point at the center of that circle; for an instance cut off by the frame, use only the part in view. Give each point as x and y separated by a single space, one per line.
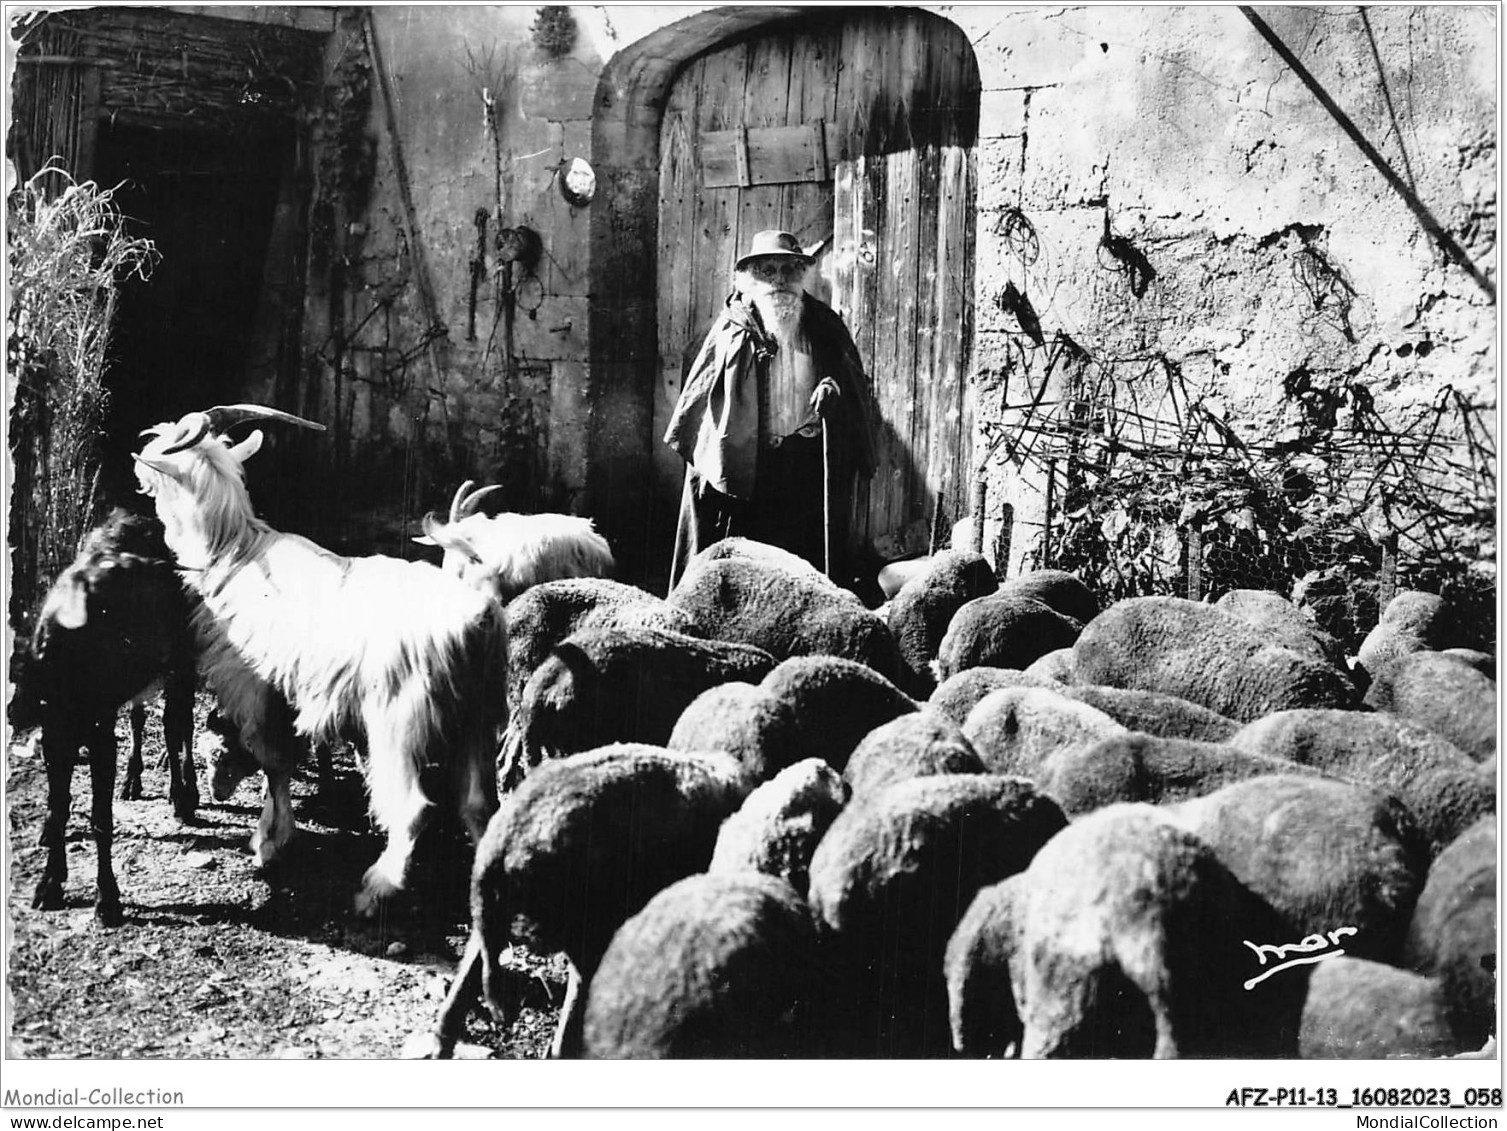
182 338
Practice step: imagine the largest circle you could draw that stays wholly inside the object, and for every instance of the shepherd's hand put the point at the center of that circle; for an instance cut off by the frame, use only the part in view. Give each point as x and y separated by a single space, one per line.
825 391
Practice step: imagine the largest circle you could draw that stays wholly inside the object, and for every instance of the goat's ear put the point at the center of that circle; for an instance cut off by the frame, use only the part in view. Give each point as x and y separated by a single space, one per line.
248 447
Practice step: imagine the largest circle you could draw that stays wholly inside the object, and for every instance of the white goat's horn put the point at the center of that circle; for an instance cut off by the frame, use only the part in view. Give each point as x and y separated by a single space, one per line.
191 429
460 508
224 416
457 502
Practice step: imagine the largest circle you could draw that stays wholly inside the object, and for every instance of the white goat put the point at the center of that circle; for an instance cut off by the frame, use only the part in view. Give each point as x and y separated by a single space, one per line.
413 659
504 554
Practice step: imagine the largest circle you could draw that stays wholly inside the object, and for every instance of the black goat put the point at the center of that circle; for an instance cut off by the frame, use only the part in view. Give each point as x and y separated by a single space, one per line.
114 625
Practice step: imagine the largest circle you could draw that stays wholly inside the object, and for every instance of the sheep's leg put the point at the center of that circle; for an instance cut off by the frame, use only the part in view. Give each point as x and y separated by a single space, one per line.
463 993
59 749
570 1028
130 789
102 755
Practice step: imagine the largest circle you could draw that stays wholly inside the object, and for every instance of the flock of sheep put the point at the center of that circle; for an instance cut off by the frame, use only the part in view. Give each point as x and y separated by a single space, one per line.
763 820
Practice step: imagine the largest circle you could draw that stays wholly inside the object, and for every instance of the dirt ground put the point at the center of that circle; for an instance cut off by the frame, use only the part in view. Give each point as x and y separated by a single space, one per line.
216 960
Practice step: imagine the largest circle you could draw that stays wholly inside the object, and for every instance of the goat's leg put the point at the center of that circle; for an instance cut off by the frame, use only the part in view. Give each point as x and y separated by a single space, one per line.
178 733
274 829
402 812
102 755
130 789
60 745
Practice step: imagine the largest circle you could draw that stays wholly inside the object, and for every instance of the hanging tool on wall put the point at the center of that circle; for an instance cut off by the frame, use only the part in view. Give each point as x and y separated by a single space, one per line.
478 271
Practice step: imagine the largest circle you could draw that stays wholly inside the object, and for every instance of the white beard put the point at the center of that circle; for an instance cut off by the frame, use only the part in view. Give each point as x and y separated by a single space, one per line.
780 311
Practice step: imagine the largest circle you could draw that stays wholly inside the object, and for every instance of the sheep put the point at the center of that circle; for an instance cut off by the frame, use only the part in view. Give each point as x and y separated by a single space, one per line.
835 702
1283 623
504 554
786 611
1483 662
713 966
1442 693
1356 1009
1141 767
754 726
1055 667
626 684
1125 936
113 626
958 694
921 610
1205 655
546 613
1005 630
1057 589
780 823
582 844
1453 933
409 655
1016 729
891 879
909 746
1412 621
1326 855
1154 712
1440 786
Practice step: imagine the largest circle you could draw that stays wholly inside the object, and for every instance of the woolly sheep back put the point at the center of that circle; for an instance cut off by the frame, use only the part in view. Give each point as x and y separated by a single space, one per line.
1362 1010
1441 693
1438 783
1325 854
1454 931
910 746
1005 630
891 879
1155 712
777 828
925 605
835 702
619 685
1016 729
1142 767
1203 654
786 612
743 720
957 695
1128 932
713 966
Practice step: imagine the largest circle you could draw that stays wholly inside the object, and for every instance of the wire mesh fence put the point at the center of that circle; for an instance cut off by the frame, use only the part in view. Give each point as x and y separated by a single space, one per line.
1149 490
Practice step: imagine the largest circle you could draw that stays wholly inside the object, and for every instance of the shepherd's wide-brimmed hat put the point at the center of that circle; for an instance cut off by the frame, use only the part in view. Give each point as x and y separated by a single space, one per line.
771 242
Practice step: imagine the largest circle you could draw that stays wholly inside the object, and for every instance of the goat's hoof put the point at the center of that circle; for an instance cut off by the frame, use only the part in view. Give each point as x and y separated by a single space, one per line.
48 896
184 806
131 790
109 913
376 891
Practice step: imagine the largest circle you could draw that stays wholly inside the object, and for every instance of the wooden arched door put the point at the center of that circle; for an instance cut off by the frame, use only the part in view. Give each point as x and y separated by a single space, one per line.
854 130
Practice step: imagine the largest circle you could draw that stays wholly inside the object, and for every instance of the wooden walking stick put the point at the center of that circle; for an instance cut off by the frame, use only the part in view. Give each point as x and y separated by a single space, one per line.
826 501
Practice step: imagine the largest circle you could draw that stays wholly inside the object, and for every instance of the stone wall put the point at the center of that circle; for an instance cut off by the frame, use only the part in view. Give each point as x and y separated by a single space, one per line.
1157 183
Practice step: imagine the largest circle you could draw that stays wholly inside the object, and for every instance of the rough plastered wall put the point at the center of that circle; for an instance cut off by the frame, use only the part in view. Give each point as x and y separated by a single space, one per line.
467 122
1242 210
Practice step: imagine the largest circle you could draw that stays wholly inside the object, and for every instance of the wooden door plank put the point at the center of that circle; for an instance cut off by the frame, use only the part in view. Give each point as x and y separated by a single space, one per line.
766 95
